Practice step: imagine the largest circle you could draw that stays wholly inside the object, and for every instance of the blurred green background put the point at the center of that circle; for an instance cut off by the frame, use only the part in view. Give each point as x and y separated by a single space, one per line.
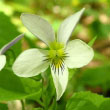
95 21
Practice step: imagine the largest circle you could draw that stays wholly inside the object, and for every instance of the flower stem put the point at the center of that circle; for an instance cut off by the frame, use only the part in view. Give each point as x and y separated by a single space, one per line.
43 96
23 105
40 102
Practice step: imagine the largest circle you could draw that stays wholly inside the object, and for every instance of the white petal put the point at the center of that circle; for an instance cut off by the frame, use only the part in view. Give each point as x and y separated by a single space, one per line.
68 26
2 61
79 54
39 27
60 80
30 63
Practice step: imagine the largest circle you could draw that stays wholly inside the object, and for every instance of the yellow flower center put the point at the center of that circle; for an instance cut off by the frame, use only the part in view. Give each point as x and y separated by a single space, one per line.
56 56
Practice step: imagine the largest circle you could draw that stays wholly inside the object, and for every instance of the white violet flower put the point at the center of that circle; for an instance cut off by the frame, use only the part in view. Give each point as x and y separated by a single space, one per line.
61 54
5 48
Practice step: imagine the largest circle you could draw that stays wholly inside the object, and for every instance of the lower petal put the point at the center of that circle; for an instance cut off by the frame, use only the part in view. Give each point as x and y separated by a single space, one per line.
30 63
60 78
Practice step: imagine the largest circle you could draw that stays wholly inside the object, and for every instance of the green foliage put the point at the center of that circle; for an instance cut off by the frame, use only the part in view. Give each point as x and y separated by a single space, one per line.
87 101
98 76
8 32
3 106
80 104
37 109
13 87
48 92
91 43
99 29
104 105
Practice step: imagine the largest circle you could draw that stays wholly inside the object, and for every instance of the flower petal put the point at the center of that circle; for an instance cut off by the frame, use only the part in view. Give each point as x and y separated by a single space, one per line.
60 79
7 46
68 26
39 27
30 63
2 61
79 54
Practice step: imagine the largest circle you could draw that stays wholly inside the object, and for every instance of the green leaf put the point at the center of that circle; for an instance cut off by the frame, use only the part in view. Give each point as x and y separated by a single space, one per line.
92 97
3 106
91 43
13 87
80 104
61 105
87 101
96 76
37 109
53 105
100 29
105 104
48 92
8 32
71 73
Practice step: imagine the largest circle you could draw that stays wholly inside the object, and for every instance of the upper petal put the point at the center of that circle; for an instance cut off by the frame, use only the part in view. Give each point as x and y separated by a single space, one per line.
30 63
79 54
39 27
68 26
60 79
2 61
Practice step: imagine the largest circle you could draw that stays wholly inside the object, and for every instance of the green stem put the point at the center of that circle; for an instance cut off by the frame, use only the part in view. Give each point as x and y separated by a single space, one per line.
40 102
44 101
10 53
23 105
